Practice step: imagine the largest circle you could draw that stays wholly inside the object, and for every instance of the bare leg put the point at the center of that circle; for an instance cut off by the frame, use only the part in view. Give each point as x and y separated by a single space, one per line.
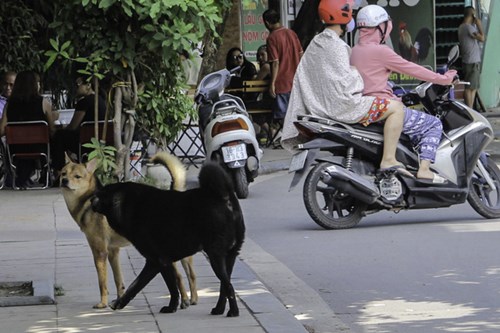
424 171
469 95
394 117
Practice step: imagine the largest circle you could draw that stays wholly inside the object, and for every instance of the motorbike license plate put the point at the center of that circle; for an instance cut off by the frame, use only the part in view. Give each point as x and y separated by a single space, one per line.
234 153
298 161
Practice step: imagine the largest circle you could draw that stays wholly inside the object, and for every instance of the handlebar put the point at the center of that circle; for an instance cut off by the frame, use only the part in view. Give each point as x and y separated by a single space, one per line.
234 70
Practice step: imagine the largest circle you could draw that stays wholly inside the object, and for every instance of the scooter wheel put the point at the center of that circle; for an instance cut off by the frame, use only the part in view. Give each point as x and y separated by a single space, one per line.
240 181
328 207
482 197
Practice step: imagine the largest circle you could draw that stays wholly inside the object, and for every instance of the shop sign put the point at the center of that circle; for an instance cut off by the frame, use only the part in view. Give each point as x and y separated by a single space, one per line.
253 30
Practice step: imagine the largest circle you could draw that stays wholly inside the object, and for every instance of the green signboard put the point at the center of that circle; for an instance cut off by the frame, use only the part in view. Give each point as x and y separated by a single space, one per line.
412 34
253 30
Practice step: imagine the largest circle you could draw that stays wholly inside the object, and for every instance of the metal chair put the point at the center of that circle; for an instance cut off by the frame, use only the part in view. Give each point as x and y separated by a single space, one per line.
189 145
28 140
3 164
87 132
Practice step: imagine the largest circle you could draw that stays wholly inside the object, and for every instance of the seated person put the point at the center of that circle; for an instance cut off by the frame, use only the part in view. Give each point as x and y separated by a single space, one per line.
26 104
68 138
326 85
264 72
247 71
6 84
375 61
263 100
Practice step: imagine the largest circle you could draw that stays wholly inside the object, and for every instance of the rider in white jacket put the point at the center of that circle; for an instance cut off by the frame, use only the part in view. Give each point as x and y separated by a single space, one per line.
326 85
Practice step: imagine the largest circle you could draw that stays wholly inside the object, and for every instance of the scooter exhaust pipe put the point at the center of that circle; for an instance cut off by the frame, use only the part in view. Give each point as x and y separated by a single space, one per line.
351 183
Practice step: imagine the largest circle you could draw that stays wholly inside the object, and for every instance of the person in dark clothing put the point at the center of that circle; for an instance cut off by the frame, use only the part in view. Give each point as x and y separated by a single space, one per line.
247 71
26 104
68 138
234 58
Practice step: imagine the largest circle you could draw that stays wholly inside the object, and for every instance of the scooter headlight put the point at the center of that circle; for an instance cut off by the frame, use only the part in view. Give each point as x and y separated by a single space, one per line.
229 125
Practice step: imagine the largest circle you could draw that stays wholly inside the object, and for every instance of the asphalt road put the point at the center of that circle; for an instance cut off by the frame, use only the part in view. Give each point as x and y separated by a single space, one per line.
417 271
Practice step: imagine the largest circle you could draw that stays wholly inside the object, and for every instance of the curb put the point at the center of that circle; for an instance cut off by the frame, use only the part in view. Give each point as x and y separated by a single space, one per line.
271 314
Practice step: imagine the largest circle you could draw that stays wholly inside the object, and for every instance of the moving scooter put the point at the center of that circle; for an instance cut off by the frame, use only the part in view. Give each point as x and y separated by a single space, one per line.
345 185
227 131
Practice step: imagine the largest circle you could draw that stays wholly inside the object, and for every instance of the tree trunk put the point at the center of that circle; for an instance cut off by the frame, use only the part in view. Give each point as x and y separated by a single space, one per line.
211 45
124 122
96 108
117 130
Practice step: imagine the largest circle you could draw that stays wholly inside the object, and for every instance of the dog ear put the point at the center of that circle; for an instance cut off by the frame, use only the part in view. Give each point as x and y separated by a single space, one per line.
98 183
91 165
68 158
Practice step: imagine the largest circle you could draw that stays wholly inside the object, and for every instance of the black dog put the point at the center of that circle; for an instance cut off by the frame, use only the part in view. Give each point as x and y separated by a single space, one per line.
166 226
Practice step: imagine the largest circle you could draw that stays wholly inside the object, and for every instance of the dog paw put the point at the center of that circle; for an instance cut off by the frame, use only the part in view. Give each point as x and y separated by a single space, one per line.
168 309
185 304
217 311
100 305
233 312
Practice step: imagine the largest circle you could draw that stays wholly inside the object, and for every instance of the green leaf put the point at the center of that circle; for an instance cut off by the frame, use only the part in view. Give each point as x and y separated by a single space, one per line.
155 9
158 36
128 11
149 27
81 60
92 154
50 61
55 44
64 54
65 45
106 3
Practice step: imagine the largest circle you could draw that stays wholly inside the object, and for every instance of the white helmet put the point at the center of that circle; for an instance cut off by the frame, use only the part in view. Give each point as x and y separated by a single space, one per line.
371 16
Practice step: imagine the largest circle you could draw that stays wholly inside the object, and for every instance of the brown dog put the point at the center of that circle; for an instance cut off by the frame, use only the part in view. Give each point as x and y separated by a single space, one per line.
78 185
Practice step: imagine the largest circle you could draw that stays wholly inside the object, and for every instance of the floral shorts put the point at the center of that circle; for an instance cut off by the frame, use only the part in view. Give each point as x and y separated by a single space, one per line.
377 110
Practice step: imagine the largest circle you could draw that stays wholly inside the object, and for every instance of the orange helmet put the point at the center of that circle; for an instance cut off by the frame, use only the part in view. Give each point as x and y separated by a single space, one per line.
335 11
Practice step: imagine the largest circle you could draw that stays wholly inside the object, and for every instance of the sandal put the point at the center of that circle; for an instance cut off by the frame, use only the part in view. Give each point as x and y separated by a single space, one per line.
436 180
398 168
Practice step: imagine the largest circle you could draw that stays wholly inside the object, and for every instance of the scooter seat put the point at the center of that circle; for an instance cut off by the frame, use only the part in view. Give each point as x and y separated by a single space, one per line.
379 129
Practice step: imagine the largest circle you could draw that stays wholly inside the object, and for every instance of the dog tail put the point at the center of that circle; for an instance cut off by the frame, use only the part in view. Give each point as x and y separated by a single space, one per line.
215 179
175 167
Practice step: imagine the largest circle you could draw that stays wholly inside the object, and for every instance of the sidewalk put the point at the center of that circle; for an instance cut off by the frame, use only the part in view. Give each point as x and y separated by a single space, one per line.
40 242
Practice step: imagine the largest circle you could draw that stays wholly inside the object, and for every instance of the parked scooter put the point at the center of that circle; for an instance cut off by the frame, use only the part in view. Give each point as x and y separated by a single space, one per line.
227 131
345 184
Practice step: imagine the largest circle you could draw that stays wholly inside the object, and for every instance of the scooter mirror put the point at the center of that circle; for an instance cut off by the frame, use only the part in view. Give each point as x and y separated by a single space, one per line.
453 55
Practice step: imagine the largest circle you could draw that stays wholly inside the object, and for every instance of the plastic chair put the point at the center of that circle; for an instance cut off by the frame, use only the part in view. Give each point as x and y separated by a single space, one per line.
87 132
28 140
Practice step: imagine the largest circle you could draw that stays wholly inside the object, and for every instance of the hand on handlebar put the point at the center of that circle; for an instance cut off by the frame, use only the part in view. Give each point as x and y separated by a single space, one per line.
451 75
